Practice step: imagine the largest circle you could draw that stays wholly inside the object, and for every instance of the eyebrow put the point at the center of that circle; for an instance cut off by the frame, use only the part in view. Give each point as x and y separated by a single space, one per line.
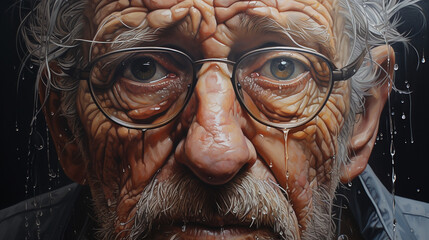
303 34
134 37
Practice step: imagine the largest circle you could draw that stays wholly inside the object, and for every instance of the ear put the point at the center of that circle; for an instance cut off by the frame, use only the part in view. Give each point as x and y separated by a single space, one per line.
65 143
366 128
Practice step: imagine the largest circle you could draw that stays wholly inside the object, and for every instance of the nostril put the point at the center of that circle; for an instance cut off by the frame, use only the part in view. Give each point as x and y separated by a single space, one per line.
214 162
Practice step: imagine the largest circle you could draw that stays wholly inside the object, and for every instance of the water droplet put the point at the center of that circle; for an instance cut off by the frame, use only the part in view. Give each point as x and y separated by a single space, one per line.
123 170
402 101
395 67
184 227
264 210
394 178
393 113
271 164
418 189
403 116
407 86
52 113
349 184
343 237
423 60
31 66
109 202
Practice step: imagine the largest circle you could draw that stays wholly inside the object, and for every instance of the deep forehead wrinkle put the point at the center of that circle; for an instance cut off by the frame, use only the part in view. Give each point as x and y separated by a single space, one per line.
300 17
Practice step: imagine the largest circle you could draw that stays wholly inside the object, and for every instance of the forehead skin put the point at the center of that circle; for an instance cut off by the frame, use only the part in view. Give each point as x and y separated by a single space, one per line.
212 23
214 28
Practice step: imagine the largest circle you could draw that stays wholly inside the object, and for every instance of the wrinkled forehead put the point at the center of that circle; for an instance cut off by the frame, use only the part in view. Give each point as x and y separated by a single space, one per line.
214 26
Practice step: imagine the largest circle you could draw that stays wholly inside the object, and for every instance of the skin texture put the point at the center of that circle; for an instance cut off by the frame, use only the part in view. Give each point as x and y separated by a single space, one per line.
214 137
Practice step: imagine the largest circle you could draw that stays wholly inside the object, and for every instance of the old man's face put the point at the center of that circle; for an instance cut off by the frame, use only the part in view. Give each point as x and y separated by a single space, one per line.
213 171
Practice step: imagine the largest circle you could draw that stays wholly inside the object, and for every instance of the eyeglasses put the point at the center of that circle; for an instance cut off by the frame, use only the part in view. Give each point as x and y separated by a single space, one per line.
147 87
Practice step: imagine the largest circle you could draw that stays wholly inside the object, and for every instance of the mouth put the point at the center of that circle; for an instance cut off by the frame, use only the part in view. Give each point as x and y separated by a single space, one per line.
193 231
213 228
248 207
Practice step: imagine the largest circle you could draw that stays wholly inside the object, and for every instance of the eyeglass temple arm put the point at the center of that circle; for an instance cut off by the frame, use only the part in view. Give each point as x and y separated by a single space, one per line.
349 70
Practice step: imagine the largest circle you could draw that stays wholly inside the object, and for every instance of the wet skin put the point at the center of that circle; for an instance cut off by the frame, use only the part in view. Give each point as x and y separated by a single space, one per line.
214 137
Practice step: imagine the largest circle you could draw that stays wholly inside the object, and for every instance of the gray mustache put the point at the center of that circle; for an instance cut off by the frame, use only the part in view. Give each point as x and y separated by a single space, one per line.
244 201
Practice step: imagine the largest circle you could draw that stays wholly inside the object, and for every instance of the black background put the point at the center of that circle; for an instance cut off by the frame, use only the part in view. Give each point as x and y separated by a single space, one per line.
19 169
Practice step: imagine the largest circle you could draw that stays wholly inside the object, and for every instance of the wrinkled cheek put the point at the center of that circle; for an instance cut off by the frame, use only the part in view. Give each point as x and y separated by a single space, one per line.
117 158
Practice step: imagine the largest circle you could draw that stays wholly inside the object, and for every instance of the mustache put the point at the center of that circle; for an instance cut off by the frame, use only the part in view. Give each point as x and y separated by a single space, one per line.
244 201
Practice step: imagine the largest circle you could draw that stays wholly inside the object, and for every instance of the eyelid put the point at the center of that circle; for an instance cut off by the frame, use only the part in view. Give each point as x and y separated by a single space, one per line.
264 58
168 63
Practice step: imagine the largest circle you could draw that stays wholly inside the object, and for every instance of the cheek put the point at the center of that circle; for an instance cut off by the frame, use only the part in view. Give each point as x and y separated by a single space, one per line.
116 155
308 158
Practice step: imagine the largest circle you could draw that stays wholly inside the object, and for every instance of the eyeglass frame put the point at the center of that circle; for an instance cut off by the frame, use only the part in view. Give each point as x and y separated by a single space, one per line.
336 75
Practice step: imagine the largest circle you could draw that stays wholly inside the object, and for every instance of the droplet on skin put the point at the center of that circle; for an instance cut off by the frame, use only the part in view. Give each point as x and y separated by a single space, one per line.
349 184
285 135
395 67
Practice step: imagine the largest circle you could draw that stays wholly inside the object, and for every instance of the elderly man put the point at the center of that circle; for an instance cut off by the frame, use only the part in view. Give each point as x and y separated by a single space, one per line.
211 119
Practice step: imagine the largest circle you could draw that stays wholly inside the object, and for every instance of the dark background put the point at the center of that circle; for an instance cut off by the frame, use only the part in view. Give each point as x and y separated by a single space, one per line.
26 171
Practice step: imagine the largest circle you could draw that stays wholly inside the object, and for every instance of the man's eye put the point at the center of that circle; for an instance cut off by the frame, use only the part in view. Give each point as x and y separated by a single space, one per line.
143 69
282 69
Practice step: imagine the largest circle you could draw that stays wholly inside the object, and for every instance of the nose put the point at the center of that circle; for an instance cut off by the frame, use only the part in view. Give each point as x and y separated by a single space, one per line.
215 148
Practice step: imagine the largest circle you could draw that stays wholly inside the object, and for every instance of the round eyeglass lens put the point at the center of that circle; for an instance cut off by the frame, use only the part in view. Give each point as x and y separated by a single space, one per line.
141 88
283 88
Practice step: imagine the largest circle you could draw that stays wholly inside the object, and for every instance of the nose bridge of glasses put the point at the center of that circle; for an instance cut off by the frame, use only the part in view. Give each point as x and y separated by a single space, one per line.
224 65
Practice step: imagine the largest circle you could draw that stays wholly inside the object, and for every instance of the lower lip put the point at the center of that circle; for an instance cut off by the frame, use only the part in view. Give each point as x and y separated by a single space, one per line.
194 232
